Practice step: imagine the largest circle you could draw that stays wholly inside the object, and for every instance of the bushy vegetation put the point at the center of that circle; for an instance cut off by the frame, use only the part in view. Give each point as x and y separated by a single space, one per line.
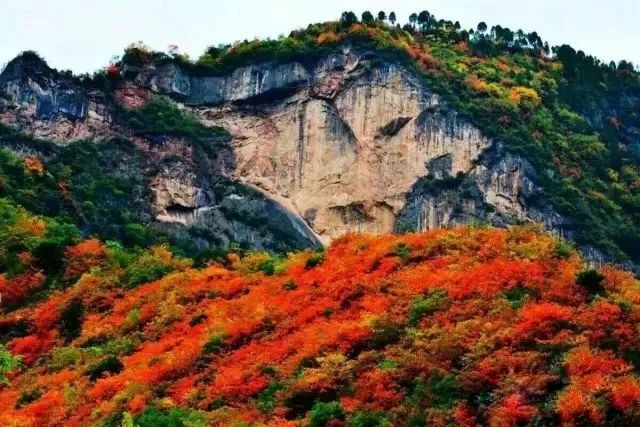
101 324
160 116
467 326
96 185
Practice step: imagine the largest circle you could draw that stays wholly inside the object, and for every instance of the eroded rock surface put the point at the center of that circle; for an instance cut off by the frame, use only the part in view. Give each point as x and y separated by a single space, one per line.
318 148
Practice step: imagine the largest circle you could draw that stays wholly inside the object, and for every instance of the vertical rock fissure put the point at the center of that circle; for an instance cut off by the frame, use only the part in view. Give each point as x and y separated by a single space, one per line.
302 119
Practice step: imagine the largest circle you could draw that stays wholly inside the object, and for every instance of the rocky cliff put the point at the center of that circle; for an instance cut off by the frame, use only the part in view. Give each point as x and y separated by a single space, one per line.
341 143
347 140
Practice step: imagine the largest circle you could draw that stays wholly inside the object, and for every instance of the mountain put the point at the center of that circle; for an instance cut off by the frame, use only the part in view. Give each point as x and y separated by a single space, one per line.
363 127
177 238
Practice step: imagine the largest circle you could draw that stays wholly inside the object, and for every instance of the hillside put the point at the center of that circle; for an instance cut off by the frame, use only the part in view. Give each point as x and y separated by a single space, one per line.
344 126
459 326
360 224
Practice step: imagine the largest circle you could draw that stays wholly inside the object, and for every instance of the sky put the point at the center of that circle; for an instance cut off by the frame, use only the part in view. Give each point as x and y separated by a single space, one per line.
82 35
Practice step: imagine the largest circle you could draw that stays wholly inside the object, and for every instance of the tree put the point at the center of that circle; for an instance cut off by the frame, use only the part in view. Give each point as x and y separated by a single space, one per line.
7 364
392 18
382 16
367 17
482 27
413 19
348 18
423 17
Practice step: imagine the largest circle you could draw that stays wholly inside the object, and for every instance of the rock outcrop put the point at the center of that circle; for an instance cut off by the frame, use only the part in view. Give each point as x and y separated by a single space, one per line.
344 143
51 105
319 147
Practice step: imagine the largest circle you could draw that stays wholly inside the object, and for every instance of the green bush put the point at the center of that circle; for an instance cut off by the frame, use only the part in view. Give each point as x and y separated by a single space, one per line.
27 397
175 417
110 364
8 362
214 343
314 260
368 419
322 413
434 301
267 397
591 281
71 319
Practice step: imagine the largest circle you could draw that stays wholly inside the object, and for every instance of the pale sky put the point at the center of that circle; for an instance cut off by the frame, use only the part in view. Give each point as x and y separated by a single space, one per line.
82 35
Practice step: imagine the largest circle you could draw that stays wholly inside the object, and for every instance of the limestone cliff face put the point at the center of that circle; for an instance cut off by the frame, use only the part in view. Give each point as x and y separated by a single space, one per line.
343 140
46 104
346 142
500 189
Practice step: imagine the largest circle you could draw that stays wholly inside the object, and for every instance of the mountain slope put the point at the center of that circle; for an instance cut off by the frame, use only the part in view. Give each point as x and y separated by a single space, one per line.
372 128
145 212
463 326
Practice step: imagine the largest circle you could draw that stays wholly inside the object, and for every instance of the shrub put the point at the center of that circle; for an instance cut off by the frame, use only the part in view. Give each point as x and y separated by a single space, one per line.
214 343
368 419
71 319
314 260
422 307
322 413
563 249
175 417
28 396
267 399
110 364
8 362
591 281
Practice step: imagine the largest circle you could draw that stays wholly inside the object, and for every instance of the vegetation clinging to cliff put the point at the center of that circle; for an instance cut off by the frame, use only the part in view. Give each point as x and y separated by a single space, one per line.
570 115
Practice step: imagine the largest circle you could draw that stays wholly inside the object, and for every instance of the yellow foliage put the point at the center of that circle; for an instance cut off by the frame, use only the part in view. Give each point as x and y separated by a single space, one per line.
519 93
31 226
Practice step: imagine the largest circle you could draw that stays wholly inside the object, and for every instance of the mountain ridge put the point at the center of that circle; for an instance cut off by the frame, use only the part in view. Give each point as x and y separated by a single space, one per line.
174 77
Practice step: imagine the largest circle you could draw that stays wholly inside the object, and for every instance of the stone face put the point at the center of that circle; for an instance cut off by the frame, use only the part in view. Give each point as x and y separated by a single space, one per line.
46 104
322 149
342 143
498 190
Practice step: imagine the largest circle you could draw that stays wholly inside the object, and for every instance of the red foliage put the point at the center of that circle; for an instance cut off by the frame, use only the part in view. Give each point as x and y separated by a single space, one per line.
494 312
83 257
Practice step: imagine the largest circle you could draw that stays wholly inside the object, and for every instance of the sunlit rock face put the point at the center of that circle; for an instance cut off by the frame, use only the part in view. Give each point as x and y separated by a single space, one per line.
327 145
343 140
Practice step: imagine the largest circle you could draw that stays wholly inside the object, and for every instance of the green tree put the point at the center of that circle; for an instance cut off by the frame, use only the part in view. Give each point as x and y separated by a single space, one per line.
413 19
367 17
322 413
348 18
8 363
392 18
482 27
423 17
382 16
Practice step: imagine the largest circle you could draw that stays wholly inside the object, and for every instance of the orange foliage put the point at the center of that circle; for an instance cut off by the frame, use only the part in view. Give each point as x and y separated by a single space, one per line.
328 37
83 257
493 312
33 165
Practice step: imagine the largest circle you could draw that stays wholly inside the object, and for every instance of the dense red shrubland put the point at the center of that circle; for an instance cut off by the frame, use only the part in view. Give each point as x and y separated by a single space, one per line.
461 326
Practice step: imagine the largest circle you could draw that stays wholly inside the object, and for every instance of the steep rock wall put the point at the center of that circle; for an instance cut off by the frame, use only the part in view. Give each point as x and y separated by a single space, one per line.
346 145
347 142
